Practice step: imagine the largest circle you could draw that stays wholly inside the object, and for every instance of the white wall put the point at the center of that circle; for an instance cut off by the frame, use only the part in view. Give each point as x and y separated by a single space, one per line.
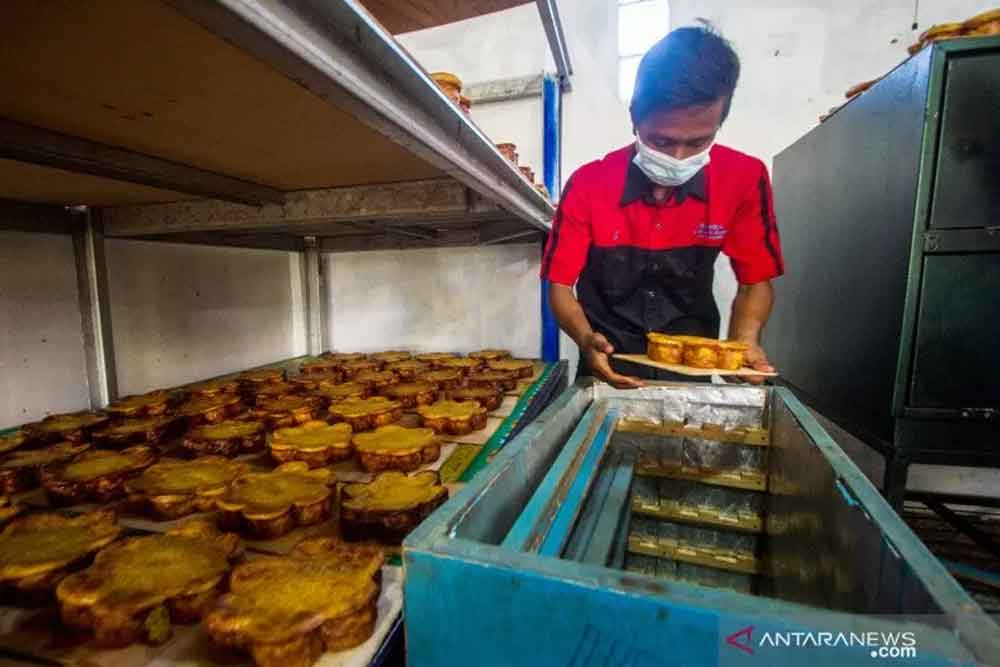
42 367
181 312
436 299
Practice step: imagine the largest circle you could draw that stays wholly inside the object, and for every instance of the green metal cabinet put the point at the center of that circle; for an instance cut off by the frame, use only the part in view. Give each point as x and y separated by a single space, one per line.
888 319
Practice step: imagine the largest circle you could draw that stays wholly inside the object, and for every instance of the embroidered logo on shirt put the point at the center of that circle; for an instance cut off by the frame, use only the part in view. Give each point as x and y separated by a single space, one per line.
710 232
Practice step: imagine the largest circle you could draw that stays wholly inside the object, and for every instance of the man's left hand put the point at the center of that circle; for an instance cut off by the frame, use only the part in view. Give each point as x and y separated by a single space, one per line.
756 359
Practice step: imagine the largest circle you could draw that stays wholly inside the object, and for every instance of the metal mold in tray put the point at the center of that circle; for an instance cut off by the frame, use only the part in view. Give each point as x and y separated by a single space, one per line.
377 380
171 488
288 411
200 410
487 396
252 381
390 506
95 475
396 448
335 393
502 380
521 367
227 438
408 369
137 587
266 505
286 611
38 550
443 378
315 442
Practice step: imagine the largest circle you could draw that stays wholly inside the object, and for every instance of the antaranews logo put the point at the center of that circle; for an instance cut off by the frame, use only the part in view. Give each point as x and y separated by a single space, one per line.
888 645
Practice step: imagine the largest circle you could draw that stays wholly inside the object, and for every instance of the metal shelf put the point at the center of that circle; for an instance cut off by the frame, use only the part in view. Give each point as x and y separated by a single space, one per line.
249 123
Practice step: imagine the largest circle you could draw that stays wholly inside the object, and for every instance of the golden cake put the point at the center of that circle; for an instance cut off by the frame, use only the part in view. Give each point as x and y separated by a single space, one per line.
412 394
390 506
38 550
522 367
454 417
409 369
214 387
12 441
377 380
449 84
95 475
499 380
9 510
443 378
286 611
365 557
464 365
984 24
344 357
335 393
367 413
288 411
149 430
252 381
266 505
227 438
663 348
391 356
490 355
351 369
210 409
321 366
139 586
433 358
311 381
150 404
19 469
396 448
75 427
732 355
275 390
314 442
172 488
700 352
486 395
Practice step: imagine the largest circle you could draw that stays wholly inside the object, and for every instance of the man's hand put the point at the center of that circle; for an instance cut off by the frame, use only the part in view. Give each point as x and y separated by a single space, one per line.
596 348
751 308
756 359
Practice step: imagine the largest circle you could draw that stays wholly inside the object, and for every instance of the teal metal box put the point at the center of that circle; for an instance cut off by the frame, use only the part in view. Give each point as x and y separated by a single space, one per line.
480 588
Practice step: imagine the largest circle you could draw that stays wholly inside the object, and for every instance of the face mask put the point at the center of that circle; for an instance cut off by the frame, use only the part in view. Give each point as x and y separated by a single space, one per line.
666 170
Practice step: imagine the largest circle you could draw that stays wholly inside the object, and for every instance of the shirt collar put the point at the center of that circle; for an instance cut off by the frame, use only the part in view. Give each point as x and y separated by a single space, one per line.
638 186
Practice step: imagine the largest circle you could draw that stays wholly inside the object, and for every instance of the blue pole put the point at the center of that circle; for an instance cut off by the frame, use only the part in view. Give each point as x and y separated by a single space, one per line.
551 164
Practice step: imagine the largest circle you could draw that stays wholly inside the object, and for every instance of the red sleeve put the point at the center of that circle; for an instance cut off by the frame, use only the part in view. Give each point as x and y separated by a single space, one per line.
752 242
569 241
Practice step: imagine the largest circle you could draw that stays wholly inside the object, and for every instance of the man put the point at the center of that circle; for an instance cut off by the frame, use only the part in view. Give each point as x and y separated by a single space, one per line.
638 231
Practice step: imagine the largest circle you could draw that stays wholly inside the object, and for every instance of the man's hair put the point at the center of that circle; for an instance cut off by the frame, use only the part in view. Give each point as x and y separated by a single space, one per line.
690 66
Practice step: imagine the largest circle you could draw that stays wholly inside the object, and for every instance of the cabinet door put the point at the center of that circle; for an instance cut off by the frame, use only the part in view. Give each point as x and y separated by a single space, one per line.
967 183
957 362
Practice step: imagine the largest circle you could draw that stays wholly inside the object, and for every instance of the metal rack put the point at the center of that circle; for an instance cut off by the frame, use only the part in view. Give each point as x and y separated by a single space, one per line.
299 126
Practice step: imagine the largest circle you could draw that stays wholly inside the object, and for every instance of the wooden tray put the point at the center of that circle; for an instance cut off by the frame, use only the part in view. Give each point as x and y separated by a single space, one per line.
688 370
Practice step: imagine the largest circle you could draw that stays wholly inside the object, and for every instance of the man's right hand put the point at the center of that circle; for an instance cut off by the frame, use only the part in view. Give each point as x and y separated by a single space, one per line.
596 350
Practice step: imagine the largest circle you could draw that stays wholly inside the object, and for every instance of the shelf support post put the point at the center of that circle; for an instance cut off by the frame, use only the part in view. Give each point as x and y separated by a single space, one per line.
95 308
551 166
315 302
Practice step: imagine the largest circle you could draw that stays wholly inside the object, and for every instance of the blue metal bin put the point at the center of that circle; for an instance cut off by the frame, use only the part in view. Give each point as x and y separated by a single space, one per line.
525 565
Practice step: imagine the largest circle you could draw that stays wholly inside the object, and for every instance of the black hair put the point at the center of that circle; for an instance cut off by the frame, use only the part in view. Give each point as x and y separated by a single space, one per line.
688 67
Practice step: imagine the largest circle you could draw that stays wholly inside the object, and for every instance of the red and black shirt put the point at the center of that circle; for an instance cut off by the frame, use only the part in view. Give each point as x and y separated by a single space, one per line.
639 266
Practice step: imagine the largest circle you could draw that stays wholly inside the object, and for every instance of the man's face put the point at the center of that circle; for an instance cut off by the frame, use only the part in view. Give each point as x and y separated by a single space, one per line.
683 132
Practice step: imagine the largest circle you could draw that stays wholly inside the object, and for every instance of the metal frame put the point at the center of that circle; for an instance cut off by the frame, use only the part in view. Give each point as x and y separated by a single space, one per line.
95 309
552 177
315 301
549 12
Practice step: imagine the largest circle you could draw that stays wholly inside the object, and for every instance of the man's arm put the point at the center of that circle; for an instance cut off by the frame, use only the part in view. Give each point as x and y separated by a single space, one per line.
751 308
593 346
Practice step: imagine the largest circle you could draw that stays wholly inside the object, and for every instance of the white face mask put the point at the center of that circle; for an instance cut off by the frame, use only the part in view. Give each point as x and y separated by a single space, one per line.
666 170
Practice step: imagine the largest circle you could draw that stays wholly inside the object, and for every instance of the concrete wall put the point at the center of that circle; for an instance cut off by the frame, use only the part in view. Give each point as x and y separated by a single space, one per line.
436 299
181 313
42 367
